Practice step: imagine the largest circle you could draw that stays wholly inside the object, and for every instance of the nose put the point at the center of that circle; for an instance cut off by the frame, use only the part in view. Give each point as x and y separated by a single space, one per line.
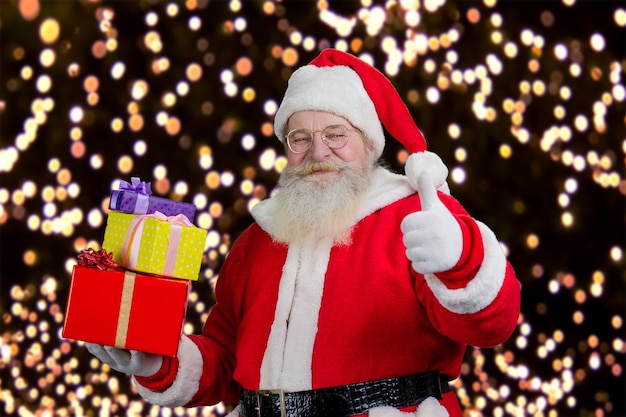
319 150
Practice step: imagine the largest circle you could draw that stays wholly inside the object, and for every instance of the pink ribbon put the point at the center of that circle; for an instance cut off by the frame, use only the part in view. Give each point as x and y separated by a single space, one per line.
130 247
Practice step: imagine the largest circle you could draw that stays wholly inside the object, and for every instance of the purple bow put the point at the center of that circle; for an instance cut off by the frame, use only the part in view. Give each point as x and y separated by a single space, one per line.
139 187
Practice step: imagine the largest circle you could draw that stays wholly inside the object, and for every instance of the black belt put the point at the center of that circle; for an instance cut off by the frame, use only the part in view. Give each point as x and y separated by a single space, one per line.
345 400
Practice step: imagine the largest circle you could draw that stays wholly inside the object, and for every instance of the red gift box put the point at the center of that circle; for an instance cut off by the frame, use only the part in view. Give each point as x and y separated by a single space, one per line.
125 309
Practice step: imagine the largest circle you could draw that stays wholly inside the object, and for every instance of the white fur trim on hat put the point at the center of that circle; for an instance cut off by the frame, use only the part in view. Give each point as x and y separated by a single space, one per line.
338 90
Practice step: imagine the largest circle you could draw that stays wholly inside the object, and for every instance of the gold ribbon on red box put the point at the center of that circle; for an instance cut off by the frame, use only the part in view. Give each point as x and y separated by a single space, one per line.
123 319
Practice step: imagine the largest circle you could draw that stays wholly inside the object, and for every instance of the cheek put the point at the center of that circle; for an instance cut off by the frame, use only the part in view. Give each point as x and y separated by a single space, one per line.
293 160
351 153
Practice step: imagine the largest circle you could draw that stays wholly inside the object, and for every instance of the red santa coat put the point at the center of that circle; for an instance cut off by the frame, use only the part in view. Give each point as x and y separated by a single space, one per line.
318 315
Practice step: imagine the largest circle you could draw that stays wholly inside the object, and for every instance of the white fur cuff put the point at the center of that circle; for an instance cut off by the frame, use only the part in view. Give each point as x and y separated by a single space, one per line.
185 386
483 288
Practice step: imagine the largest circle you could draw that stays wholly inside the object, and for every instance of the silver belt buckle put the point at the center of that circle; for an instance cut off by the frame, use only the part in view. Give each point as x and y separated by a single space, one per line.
268 392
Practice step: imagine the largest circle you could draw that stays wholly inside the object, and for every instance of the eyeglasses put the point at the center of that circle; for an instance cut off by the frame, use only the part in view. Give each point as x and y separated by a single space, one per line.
335 137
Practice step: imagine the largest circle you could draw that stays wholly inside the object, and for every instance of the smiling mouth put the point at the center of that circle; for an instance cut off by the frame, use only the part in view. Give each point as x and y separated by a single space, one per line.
321 168
322 171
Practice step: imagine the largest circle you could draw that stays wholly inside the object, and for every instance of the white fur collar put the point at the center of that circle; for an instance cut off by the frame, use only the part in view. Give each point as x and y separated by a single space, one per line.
386 188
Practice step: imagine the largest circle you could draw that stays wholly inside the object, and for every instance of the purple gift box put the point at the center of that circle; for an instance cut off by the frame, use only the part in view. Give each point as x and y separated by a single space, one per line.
136 198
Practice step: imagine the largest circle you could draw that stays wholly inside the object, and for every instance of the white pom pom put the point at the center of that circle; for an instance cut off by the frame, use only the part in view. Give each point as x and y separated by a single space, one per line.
419 162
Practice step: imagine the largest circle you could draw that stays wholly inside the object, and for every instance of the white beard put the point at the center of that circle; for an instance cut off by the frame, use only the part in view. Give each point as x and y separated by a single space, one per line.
309 207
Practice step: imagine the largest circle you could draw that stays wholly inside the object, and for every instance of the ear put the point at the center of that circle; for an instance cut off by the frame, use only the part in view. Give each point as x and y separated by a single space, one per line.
370 146
370 154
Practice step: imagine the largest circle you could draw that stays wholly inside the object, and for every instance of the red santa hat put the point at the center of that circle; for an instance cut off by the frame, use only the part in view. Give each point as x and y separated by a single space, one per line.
343 84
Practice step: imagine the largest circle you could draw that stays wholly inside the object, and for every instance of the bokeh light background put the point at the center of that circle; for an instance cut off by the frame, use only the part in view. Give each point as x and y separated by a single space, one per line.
524 101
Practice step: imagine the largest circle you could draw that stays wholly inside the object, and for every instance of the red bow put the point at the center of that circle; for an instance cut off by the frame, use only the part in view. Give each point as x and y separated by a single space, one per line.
96 259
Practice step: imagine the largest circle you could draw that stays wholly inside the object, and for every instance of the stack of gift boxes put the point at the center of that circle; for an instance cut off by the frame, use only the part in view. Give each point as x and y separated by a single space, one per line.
132 294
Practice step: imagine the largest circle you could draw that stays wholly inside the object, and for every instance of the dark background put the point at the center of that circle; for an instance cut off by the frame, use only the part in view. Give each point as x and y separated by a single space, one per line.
567 356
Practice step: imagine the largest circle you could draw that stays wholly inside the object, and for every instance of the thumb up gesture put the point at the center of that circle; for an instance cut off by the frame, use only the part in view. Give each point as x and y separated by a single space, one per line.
432 236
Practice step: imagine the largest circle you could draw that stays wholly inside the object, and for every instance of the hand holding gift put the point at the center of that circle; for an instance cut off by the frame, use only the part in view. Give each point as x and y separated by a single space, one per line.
126 361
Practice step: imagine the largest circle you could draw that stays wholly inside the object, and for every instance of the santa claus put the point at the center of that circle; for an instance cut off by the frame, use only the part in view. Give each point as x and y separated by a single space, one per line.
356 290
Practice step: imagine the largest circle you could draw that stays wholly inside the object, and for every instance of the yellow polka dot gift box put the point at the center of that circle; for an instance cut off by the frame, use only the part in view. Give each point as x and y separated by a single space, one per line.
169 246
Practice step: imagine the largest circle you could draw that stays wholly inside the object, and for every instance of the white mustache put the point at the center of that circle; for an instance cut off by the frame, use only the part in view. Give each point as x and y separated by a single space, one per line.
308 168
